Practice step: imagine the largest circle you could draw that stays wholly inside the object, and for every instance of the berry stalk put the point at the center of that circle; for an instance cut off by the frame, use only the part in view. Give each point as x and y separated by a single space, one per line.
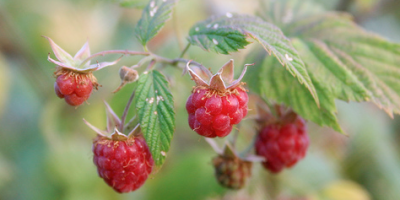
125 52
128 105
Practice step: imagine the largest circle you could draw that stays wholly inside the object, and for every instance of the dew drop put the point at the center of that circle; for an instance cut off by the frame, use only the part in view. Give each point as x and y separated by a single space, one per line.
155 112
197 29
288 57
215 41
229 15
163 153
215 26
152 4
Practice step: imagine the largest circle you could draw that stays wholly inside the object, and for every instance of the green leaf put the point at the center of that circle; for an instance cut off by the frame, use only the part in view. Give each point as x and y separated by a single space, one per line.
217 37
365 65
156 13
344 62
283 13
225 34
272 82
155 107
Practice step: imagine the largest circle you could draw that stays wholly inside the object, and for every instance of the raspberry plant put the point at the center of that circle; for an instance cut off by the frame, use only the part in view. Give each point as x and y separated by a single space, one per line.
305 62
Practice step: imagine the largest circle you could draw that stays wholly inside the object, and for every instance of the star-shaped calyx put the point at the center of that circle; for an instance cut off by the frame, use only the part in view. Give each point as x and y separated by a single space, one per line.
123 162
75 79
221 82
79 63
114 127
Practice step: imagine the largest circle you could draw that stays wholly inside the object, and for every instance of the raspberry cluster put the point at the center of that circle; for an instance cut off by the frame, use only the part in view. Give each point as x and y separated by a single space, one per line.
76 89
282 145
231 172
124 165
212 114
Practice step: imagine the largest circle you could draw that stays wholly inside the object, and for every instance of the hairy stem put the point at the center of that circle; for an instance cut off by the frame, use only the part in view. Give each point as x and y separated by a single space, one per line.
143 60
125 52
174 62
128 105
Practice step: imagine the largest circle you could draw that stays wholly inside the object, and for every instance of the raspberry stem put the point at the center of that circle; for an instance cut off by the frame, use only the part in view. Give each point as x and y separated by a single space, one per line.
151 64
128 105
184 50
213 145
125 52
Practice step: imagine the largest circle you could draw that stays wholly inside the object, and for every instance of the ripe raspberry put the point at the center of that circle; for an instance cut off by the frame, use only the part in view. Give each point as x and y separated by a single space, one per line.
214 115
124 165
214 108
75 88
231 172
75 80
282 144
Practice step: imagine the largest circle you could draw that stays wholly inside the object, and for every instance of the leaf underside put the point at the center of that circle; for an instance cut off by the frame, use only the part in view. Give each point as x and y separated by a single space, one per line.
155 108
344 62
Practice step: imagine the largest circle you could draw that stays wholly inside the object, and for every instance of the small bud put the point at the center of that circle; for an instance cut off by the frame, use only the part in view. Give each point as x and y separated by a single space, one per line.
127 75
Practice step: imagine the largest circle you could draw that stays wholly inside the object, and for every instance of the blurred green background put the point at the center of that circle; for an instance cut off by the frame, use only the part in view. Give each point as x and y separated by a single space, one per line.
45 148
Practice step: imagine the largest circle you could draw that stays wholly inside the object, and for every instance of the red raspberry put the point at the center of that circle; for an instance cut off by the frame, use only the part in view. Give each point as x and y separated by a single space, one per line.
212 114
282 145
217 102
124 165
75 88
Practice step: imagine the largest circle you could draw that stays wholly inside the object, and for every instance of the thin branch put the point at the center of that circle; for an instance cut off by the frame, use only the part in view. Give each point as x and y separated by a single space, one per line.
151 64
128 105
125 52
214 145
174 62
184 50
182 60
